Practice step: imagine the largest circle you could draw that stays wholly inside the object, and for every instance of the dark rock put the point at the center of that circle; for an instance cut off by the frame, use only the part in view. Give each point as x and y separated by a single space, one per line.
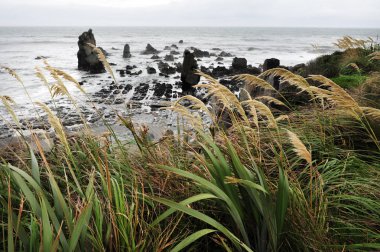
151 70
165 68
219 59
127 88
178 66
155 56
205 70
40 57
220 71
174 46
149 50
87 56
169 57
213 55
216 49
167 48
174 53
140 92
181 41
251 48
225 54
199 53
239 63
129 67
126 51
188 77
253 70
271 63
117 91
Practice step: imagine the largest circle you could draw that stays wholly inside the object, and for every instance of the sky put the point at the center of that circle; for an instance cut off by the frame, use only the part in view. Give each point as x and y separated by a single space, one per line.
261 13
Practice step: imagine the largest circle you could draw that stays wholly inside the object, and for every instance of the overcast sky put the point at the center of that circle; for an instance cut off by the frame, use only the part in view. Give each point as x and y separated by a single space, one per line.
275 13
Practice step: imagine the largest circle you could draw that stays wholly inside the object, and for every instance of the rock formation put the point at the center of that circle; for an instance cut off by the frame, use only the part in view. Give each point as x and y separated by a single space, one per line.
127 51
87 56
188 77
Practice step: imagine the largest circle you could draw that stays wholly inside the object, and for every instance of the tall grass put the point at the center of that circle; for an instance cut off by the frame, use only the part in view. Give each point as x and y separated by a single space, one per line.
307 180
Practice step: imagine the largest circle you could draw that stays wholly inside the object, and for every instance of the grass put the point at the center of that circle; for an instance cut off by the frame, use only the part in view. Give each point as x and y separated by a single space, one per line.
349 81
252 180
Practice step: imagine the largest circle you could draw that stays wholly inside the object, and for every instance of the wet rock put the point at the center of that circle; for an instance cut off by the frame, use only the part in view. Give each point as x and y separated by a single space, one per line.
151 70
251 48
126 51
40 57
149 50
167 48
225 54
117 91
129 67
219 59
155 57
188 77
216 49
174 53
199 53
239 63
87 56
271 63
220 71
174 46
169 57
206 70
180 42
127 88
178 67
165 68
140 92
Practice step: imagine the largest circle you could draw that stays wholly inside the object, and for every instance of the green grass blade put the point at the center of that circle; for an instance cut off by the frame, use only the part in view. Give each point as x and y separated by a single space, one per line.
80 225
35 168
47 234
185 202
192 238
202 217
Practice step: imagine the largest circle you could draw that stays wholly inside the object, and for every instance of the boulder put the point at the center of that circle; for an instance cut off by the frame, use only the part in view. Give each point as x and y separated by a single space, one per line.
219 59
151 70
174 46
166 69
155 56
271 63
199 53
239 63
169 57
87 56
220 71
149 50
180 42
126 51
188 77
174 53
225 54
167 48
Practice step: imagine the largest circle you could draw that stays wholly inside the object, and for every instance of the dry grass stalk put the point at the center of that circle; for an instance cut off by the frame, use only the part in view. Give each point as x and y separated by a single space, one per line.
12 73
289 77
55 123
371 112
263 110
299 148
375 56
254 81
271 100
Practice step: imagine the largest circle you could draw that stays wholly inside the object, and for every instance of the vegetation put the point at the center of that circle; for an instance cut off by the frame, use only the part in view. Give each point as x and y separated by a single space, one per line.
304 180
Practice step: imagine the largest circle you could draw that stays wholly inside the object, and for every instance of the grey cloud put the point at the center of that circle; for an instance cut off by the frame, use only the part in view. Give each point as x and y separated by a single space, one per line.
320 13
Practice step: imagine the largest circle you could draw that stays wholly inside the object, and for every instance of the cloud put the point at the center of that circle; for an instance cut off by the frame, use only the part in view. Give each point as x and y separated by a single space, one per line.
317 13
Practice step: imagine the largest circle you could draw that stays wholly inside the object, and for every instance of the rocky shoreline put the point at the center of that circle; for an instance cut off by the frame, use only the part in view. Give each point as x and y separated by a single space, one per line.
140 90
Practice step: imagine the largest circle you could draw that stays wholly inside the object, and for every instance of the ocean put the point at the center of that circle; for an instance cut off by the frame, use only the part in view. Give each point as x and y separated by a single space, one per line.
20 48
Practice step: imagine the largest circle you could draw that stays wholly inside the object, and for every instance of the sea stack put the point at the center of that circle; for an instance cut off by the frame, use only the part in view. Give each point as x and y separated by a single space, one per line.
188 77
87 56
127 51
